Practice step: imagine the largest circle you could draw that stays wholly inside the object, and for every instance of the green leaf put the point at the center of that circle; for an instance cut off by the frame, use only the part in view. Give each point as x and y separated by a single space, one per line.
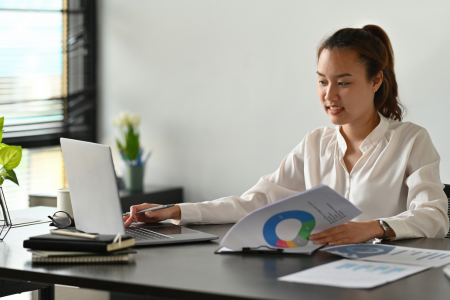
132 143
9 175
120 146
2 120
1 180
10 157
3 145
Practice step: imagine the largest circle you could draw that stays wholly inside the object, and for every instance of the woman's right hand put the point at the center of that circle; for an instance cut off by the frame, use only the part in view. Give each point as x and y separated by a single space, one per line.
173 212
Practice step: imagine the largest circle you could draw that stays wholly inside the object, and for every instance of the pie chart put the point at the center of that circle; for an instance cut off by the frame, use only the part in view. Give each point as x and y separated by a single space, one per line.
301 239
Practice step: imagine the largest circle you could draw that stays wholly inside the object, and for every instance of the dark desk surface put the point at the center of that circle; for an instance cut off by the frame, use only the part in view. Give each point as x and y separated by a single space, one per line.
193 271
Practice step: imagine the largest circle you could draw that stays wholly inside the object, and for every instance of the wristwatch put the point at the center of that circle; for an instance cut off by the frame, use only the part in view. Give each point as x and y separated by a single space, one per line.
386 229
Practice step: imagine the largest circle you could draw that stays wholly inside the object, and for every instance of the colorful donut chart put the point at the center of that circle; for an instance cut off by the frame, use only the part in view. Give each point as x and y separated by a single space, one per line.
302 238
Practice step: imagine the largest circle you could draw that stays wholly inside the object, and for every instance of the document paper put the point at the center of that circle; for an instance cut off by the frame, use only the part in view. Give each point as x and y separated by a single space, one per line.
353 274
288 223
395 254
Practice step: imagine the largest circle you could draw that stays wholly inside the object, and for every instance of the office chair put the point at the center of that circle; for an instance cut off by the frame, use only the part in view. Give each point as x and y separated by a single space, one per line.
447 192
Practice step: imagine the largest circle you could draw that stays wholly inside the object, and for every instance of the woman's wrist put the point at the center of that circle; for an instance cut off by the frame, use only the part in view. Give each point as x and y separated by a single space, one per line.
175 213
376 229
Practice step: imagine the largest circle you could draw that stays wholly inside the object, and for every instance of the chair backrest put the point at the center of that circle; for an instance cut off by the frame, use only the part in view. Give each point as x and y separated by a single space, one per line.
447 192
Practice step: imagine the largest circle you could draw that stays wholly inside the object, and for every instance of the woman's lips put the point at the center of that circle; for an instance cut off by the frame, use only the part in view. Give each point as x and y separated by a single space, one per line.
335 110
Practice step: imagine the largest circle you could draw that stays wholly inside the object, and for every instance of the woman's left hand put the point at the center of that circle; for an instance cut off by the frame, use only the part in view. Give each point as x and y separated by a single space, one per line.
349 233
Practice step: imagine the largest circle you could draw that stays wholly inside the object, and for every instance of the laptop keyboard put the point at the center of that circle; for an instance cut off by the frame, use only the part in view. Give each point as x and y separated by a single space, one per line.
145 234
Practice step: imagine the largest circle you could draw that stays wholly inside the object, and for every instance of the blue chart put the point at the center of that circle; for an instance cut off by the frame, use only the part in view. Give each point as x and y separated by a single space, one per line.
370 268
354 273
393 254
302 238
361 250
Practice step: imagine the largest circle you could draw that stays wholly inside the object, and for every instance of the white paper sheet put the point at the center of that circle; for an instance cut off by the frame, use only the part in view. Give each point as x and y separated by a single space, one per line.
395 254
353 274
287 224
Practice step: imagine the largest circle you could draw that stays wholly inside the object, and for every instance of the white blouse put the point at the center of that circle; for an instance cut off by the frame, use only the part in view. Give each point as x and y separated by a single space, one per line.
396 180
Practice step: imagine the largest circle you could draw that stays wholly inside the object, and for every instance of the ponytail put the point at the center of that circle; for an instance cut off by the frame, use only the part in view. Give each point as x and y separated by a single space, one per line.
375 50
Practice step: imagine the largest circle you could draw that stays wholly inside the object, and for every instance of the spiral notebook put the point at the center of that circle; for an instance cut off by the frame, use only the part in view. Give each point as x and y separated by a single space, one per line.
95 259
62 257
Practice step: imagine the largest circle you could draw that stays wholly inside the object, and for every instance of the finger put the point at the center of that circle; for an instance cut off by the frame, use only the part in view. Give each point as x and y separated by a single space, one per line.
128 221
326 233
331 238
135 208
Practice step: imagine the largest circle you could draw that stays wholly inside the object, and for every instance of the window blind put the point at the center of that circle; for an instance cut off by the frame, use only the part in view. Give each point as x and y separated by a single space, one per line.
47 71
47 87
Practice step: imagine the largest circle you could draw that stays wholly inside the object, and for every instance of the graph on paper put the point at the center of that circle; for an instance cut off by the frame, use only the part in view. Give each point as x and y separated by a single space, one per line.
353 274
394 254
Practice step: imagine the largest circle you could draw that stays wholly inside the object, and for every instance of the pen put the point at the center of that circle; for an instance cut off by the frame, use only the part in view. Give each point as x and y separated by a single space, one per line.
151 209
77 234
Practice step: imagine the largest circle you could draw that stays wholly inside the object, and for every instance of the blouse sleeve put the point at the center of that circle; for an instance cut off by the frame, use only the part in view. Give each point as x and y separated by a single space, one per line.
427 204
287 180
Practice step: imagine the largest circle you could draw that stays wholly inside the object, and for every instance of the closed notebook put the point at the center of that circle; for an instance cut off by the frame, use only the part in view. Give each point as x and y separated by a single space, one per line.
53 242
43 253
85 259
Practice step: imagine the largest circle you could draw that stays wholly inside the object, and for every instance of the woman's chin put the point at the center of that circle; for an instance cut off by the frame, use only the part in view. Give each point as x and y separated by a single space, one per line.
337 119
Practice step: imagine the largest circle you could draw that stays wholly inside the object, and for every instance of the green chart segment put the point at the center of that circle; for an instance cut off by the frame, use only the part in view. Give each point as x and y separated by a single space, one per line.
302 238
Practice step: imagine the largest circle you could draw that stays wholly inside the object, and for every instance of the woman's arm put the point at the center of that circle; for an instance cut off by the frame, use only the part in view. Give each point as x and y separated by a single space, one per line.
426 209
351 233
287 180
427 204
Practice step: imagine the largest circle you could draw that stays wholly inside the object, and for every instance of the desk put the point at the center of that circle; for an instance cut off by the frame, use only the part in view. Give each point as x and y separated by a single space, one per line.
193 271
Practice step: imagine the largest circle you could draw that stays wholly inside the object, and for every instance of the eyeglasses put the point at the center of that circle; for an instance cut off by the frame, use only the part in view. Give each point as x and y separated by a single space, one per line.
61 219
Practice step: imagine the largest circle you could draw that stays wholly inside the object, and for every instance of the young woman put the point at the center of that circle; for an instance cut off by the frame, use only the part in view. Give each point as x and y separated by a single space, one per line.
388 168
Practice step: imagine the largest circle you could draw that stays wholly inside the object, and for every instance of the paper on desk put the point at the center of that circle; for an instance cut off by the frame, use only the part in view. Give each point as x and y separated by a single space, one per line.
395 254
287 223
353 274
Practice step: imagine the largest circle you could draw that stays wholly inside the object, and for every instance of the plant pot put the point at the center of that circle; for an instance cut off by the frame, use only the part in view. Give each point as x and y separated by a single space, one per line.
134 178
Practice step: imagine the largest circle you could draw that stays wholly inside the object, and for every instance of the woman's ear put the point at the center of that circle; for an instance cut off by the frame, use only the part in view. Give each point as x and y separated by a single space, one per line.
377 81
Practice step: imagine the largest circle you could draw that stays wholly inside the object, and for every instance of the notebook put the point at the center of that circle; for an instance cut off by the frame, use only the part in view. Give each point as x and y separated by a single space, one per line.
53 242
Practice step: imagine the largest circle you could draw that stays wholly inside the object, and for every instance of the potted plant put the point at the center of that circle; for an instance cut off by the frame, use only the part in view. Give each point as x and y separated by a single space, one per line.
130 150
10 157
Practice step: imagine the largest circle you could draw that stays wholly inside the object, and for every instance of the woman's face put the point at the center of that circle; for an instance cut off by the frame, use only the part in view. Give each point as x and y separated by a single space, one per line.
343 88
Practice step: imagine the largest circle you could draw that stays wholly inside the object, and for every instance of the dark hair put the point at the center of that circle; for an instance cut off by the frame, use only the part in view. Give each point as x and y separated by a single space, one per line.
375 51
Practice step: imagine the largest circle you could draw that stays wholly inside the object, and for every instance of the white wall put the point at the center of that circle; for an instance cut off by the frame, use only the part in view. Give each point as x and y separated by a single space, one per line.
227 88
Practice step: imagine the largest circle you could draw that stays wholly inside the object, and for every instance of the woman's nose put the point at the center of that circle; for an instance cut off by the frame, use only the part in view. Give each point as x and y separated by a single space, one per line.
331 92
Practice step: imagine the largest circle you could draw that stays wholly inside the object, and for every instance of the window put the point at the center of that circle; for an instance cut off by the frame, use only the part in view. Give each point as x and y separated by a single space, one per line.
47 86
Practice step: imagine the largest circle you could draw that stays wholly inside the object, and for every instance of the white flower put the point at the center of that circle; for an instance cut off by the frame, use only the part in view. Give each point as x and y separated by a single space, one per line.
125 119
135 120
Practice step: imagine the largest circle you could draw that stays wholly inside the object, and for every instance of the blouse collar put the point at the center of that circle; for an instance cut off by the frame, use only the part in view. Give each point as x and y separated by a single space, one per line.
370 141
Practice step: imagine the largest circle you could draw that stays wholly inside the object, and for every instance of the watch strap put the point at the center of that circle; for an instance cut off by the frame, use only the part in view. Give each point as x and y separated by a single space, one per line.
386 229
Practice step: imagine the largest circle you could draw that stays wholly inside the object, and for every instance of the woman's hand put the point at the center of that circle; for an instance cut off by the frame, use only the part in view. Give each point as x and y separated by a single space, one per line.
350 233
173 212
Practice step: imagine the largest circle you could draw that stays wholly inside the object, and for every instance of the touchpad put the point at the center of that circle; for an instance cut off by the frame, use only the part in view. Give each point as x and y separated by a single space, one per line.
166 229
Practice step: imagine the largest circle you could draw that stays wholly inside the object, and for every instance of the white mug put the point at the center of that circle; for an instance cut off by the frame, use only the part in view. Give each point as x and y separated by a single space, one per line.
63 201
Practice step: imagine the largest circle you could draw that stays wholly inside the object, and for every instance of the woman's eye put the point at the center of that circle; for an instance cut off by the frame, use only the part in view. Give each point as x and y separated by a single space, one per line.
342 83
321 82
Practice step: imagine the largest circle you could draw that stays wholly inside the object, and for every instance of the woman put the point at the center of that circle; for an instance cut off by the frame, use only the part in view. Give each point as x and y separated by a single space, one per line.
387 168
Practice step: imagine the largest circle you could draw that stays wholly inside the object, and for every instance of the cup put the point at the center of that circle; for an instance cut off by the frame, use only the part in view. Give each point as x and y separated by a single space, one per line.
63 201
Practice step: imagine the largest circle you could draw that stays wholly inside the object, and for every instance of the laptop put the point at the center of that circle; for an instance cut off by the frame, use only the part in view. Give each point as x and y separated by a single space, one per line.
96 202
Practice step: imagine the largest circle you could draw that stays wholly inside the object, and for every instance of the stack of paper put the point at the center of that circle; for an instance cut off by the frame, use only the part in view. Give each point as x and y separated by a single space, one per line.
394 254
372 265
353 274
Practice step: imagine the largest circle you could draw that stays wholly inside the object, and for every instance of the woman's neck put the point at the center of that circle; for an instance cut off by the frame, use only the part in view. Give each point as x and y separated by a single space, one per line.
356 132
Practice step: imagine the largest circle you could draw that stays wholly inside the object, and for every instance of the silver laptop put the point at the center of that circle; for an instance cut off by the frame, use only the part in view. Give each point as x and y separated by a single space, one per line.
96 203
